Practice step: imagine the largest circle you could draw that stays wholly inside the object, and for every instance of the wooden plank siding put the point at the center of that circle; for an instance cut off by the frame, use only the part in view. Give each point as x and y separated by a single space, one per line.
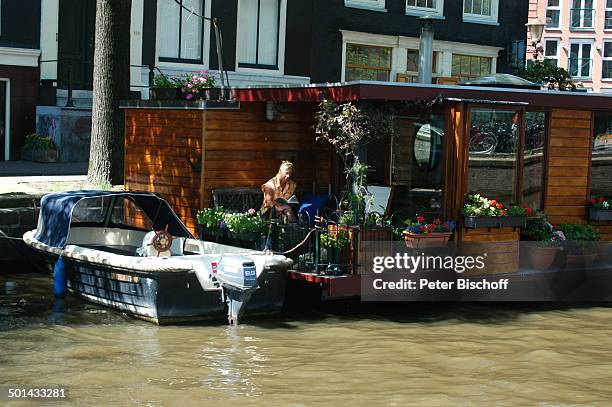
241 148
569 152
501 246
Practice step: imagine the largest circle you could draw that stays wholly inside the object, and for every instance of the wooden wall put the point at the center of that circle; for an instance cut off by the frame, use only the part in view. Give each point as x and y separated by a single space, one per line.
567 177
242 149
245 149
158 144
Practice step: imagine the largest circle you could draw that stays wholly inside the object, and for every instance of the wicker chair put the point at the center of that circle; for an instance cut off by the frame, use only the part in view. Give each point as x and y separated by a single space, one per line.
239 199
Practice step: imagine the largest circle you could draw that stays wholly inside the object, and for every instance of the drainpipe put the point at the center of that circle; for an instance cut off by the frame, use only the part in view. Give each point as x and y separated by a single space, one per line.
426 49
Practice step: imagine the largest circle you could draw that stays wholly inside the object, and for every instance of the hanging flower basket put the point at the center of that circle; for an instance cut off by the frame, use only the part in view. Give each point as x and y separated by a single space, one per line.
426 240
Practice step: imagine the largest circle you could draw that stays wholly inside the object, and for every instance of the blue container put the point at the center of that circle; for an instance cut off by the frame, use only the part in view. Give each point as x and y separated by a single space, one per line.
60 278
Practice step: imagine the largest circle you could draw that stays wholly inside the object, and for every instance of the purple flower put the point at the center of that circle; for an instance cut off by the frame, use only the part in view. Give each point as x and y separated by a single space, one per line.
222 225
189 96
251 212
189 85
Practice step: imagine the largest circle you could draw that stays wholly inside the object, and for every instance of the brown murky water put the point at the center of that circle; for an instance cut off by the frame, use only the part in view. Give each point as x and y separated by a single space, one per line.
422 355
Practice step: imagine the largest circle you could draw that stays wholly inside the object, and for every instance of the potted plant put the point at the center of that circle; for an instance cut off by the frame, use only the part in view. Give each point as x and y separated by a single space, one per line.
338 256
212 224
199 85
544 243
247 229
165 88
581 245
600 209
481 212
39 148
422 234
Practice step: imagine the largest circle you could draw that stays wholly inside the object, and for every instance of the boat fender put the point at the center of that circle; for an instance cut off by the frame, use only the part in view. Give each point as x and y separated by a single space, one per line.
60 278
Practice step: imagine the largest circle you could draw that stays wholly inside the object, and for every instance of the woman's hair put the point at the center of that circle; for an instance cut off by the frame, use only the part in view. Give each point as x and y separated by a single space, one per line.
288 165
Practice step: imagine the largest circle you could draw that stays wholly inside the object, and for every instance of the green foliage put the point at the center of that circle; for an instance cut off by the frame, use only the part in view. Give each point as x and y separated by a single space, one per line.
579 233
35 141
546 73
339 240
165 81
377 220
210 217
245 223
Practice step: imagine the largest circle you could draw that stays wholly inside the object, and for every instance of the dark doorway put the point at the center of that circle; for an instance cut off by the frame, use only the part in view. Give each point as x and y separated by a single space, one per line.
77 20
3 114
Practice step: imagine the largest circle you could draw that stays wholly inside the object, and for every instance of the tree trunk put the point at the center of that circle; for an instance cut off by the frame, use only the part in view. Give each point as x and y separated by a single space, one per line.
111 84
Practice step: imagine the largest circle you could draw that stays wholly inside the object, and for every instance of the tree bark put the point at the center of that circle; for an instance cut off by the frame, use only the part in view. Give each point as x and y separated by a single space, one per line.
111 84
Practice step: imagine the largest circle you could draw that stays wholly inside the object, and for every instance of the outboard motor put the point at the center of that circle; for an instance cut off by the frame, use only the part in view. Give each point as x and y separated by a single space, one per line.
238 277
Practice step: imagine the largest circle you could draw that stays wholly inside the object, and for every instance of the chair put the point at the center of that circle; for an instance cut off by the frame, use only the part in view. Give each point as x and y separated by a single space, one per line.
239 199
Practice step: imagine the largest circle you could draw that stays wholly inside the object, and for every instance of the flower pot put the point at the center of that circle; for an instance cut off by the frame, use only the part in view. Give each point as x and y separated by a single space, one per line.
203 94
540 258
164 93
494 221
600 214
426 240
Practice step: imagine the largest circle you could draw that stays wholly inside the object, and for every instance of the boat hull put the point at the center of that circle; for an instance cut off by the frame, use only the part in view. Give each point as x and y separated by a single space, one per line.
165 297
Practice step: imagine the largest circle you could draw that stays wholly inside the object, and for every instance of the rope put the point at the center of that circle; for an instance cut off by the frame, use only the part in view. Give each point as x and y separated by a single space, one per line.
299 244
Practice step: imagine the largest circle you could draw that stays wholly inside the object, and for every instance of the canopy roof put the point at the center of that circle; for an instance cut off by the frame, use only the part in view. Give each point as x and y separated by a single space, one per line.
502 80
56 213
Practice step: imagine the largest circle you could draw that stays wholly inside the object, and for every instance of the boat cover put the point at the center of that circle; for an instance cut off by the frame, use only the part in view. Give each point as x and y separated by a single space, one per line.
56 214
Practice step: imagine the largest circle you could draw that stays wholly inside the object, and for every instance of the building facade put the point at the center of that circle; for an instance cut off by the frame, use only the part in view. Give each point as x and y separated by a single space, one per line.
577 37
19 73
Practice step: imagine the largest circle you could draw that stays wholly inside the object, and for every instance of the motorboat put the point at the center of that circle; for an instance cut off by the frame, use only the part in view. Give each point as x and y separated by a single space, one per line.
130 251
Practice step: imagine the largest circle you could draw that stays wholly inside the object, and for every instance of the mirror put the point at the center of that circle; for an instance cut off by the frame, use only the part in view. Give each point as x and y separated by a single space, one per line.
427 147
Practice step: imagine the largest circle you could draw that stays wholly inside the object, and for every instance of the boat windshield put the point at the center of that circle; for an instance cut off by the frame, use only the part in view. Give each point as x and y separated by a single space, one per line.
125 213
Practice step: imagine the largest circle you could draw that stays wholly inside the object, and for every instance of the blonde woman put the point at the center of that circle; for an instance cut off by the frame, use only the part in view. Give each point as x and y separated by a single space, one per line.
280 186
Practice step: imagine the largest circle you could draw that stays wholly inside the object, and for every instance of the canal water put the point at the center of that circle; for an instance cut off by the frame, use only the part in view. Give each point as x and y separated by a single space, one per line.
421 355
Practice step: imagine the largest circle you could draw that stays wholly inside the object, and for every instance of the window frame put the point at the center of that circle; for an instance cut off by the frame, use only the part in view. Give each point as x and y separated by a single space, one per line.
558 54
346 65
558 8
581 42
604 59
582 14
203 29
421 11
606 10
278 68
372 5
492 19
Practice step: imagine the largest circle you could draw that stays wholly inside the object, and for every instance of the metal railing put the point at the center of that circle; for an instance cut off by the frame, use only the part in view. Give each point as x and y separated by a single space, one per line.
582 18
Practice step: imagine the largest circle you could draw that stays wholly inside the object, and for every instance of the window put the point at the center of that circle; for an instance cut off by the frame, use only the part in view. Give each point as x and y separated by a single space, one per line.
493 154
601 161
412 62
366 4
581 15
606 72
126 213
580 57
516 54
181 33
553 14
467 66
533 159
364 62
551 50
423 7
608 16
480 11
258 28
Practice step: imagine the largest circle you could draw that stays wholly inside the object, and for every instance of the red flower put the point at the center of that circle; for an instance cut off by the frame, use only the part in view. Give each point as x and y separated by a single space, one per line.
423 228
499 206
601 199
593 201
420 219
528 211
431 227
494 203
437 221
504 212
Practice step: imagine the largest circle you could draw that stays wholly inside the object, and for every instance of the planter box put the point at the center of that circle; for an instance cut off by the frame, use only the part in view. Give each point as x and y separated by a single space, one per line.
494 221
41 156
206 94
164 94
426 240
600 214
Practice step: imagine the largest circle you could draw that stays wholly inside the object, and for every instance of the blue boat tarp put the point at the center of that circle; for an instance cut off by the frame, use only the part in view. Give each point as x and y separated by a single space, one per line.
56 211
